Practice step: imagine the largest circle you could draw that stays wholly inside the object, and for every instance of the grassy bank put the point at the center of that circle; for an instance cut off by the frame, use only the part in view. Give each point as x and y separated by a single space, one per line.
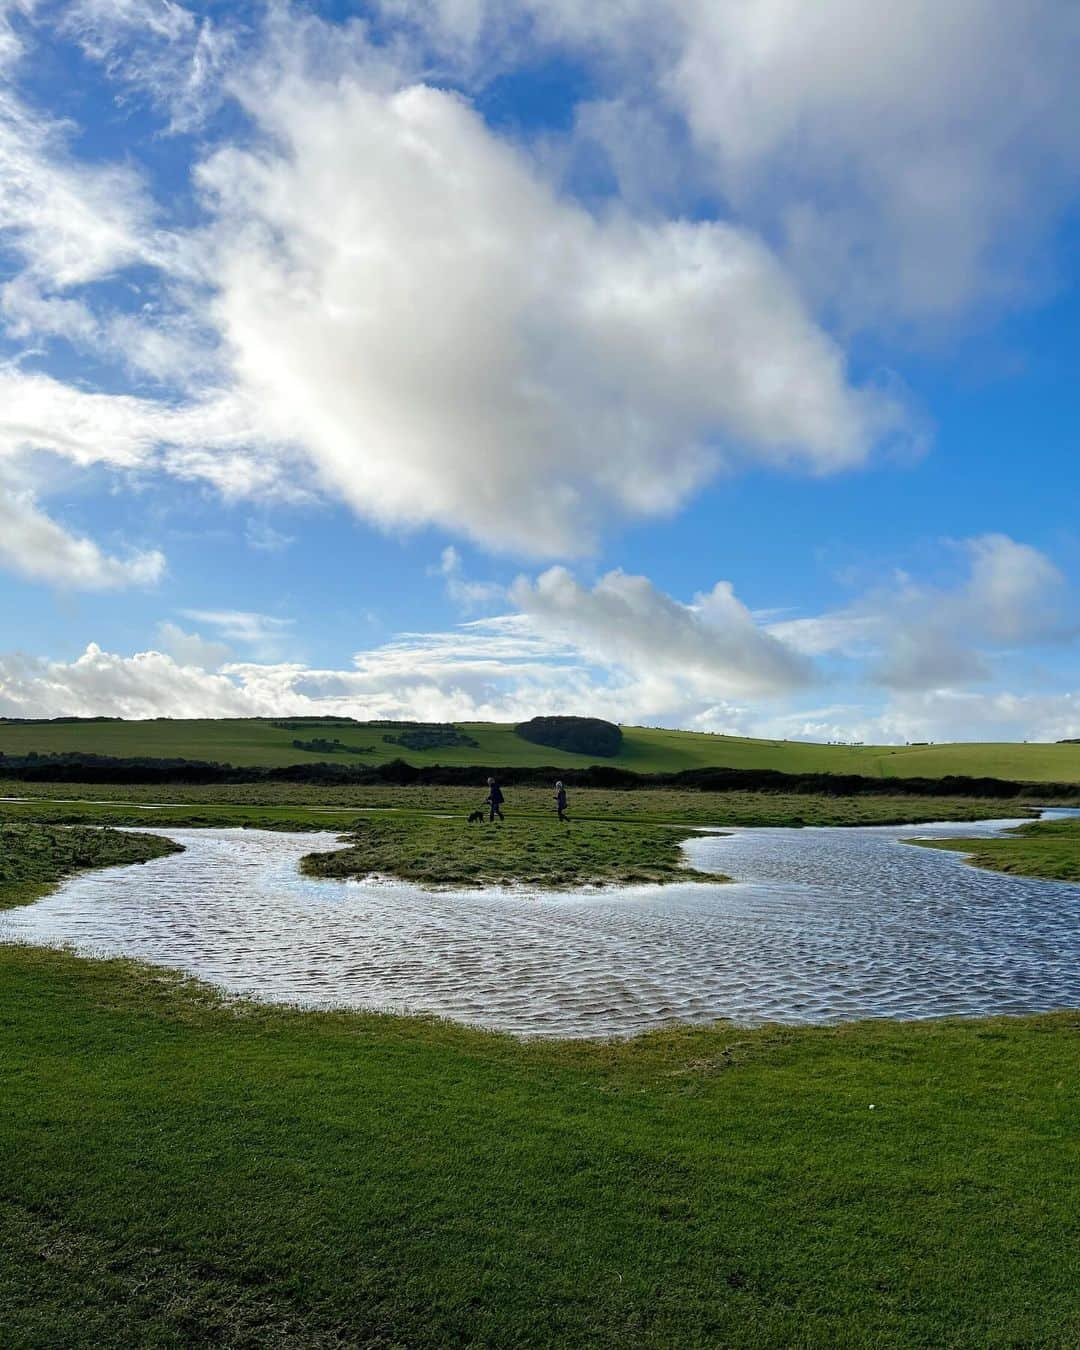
1048 848
34 857
255 741
177 1171
439 852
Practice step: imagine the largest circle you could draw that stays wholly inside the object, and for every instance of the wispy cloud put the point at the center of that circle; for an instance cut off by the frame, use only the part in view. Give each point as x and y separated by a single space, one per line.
264 634
41 549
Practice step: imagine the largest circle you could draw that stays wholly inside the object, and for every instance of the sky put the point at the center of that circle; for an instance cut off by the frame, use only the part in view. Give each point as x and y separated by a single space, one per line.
689 363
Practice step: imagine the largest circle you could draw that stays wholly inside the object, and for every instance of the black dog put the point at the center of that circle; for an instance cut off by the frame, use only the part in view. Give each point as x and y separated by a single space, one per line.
477 818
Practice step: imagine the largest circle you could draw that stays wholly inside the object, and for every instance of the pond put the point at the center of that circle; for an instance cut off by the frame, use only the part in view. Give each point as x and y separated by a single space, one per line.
820 925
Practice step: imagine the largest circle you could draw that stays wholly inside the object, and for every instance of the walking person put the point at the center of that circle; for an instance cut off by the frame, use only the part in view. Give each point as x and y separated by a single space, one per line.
560 801
494 799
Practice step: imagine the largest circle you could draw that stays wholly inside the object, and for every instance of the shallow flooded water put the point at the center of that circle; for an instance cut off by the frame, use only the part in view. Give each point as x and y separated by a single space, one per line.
821 925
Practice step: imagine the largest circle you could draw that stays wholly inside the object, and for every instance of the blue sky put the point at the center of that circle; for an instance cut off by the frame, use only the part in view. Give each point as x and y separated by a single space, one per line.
691 362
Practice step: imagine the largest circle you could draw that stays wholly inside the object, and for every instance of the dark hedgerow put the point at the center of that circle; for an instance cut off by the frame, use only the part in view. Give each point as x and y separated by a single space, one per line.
81 767
578 735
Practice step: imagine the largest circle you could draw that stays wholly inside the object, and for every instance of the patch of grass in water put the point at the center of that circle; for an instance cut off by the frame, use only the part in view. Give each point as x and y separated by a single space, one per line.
446 852
1045 848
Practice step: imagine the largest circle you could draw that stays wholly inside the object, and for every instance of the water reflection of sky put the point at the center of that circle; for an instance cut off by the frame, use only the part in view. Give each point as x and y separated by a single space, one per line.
821 925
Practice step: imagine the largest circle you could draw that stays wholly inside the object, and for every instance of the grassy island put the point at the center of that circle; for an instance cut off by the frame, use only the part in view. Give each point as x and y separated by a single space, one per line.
1045 848
436 851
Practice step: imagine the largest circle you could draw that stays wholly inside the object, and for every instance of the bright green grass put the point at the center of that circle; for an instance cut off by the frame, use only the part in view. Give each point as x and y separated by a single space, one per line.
1049 848
181 1170
646 750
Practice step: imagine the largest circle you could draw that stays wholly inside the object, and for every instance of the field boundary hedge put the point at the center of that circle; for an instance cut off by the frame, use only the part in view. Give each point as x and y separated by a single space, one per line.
72 767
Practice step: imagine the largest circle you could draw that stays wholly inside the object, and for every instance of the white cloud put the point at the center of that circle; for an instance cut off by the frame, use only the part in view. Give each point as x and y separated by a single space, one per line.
876 142
1001 715
881 139
261 536
621 649
467 595
937 716
70 221
192 649
40 549
1014 592
264 634
496 671
214 439
404 296
391 304
99 683
713 645
911 635
29 313
160 48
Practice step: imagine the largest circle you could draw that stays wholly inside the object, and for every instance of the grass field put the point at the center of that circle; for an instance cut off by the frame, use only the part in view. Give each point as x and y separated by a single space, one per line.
1049 848
421 834
179 1169
645 750
288 806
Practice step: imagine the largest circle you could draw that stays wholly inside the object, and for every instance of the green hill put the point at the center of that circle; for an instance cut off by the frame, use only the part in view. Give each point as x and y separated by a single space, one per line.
645 749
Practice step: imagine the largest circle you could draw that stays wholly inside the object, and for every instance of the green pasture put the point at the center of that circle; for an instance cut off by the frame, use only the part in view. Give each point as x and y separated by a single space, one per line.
645 750
178 1170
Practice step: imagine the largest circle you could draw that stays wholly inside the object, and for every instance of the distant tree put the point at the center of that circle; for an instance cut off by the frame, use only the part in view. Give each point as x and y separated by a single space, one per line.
578 735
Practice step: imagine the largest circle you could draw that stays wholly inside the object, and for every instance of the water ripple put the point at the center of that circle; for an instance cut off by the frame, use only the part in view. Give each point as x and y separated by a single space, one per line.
823 925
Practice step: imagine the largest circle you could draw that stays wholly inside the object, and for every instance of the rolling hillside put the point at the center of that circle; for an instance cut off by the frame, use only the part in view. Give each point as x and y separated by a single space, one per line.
645 749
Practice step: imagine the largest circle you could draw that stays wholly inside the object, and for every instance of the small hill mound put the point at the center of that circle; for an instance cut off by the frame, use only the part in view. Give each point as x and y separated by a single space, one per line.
578 735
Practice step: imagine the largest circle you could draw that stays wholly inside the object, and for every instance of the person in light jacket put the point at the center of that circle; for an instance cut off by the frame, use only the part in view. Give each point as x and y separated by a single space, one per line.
560 801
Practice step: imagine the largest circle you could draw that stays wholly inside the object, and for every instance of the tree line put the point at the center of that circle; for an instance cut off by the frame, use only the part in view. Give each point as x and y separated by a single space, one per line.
77 767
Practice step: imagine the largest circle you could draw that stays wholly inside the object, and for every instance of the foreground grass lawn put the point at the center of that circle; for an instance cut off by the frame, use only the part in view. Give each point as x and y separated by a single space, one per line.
1049 848
181 1170
176 1171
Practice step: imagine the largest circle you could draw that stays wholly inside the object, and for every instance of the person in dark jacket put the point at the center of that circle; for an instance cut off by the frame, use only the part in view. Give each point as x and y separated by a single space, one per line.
560 801
494 799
